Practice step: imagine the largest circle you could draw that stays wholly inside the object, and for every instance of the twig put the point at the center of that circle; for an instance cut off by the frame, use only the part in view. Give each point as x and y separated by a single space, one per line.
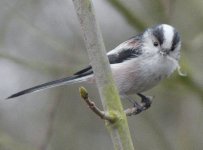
129 111
134 110
32 64
51 117
93 107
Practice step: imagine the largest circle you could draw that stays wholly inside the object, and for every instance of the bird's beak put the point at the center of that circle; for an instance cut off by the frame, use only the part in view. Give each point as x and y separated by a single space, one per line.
164 52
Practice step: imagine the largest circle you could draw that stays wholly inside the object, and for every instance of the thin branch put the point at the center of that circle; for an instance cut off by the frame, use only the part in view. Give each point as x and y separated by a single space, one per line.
190 83
120 133
31 64
52 111
132 111
129 111
93 107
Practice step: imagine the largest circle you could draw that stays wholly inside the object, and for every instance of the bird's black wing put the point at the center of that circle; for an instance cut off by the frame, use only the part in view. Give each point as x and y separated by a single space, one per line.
125 51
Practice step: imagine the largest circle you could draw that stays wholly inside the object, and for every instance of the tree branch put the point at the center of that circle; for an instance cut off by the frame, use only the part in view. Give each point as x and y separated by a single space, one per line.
129 111
94 108
119 130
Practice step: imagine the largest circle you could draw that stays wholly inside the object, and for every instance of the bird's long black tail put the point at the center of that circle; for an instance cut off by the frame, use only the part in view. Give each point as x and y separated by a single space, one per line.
55 83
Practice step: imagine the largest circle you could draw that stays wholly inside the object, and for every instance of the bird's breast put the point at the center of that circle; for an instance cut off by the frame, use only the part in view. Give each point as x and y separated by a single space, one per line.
140 75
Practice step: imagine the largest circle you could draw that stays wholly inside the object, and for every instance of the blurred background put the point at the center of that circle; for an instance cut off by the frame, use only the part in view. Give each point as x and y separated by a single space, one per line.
40 40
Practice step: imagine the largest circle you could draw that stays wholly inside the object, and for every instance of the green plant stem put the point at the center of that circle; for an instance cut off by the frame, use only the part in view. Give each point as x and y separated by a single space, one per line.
118 130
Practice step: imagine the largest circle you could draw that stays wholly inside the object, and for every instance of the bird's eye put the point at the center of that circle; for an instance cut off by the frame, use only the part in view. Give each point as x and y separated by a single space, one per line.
156 44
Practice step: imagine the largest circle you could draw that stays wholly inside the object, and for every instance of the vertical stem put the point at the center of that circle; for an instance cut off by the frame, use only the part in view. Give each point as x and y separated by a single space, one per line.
119 130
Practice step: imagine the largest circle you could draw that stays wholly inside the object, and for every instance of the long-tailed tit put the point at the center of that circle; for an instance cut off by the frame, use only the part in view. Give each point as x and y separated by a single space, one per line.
137 65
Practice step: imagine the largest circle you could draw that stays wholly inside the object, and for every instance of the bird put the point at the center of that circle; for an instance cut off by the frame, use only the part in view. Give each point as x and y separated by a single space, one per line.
137 65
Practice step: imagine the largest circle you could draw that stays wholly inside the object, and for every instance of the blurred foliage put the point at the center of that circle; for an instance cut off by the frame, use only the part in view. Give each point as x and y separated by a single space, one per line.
130 17
40 40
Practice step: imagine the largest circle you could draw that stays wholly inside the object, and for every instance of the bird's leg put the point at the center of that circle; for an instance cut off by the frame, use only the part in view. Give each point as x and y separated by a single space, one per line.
145 100
136 105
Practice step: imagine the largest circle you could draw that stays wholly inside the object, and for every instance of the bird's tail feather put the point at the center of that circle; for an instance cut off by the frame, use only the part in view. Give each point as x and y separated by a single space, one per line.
64 81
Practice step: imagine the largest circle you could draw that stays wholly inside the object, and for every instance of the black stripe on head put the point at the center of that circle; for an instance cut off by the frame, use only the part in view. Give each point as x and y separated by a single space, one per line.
176 40
159 34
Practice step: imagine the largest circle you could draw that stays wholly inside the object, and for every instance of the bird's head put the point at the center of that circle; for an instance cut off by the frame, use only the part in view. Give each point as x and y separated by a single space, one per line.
162 39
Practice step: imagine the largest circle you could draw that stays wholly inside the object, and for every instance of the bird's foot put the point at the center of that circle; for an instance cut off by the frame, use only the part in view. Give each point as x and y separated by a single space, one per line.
145 103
